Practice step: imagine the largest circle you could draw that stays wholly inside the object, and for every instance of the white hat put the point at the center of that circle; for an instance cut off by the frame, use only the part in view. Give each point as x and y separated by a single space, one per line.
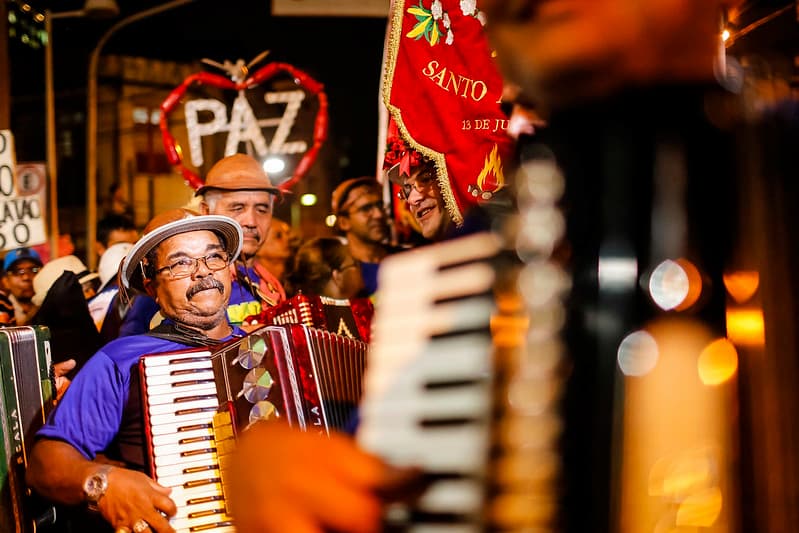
51 271
169 224
110 260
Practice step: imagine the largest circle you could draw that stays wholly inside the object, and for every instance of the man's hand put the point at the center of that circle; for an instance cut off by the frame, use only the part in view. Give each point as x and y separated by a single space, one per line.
131 497
60 370
287 480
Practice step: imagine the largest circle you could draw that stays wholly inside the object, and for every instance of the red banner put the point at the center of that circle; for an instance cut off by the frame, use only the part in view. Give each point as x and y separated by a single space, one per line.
443 89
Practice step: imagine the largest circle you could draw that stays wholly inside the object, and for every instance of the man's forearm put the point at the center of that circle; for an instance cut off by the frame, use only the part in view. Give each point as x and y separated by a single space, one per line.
57 471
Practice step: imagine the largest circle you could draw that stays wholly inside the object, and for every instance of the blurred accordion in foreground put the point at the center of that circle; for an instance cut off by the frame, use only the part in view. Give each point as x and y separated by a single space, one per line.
348 318
197 400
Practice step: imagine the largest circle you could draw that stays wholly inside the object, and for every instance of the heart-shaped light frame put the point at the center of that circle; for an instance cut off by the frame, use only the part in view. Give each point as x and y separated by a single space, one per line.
266 72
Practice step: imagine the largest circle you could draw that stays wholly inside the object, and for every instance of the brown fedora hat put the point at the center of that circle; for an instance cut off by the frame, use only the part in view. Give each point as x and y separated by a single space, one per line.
237 172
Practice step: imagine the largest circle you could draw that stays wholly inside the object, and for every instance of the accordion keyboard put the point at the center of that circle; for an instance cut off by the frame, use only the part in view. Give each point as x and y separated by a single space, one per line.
428 390
183 409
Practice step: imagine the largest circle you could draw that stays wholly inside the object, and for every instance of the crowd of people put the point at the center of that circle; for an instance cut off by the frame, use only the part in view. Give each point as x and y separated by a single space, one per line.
193 278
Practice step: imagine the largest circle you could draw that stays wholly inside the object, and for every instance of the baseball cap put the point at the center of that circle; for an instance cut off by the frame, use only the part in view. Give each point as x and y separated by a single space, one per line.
237 172
18 254
171 223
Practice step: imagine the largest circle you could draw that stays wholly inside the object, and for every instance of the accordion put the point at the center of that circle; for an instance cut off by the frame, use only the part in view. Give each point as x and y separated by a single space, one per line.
348 318
26 398
197 400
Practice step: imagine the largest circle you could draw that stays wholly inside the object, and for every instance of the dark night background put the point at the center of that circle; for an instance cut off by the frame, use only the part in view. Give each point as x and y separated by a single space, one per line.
344 54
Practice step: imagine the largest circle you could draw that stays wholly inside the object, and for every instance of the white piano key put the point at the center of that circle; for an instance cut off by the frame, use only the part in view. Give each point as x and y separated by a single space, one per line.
462 496
174 459
173 420
160 370
170 428
174 358
177 407
179 393
182 479
178 468
412 376
472 401
182 496
167 379
176 436
223 529
177 388
450 449
186 510
175 449
182 523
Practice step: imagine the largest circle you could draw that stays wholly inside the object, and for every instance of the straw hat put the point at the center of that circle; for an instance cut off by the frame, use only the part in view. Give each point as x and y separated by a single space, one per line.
171 223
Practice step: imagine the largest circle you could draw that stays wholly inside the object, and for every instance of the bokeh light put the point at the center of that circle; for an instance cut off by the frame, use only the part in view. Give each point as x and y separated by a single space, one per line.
308 199
637 354
745 326
274 165
675 285
718 362
742 284
700 509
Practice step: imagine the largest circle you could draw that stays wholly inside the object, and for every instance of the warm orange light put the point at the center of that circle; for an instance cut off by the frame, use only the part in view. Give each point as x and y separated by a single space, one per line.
718 362
694 284
742 284
725 35
745 327
700 509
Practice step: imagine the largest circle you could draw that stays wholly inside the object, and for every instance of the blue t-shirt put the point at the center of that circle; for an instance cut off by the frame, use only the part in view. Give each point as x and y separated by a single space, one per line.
101 410
242 302
369 274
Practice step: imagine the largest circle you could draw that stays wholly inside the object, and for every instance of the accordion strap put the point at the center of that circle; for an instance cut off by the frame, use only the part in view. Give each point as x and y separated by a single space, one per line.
174 332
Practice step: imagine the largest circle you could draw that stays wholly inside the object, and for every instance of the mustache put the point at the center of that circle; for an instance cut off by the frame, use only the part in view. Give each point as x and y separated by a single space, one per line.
204 284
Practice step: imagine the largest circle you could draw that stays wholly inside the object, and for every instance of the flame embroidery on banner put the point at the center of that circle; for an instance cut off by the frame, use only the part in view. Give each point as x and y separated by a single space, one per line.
491 179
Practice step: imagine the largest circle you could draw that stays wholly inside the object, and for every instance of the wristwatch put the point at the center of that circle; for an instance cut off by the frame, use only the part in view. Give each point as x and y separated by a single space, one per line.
95 486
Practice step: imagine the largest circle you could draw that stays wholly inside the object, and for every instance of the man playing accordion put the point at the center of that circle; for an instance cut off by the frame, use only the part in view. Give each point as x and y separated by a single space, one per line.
182 262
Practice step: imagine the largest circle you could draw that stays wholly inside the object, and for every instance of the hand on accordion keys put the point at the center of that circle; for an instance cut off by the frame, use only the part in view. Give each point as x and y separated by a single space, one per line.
133 497
284 479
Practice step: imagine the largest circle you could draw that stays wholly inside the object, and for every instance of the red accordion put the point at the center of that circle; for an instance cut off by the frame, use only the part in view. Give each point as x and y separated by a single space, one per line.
348 318
197 400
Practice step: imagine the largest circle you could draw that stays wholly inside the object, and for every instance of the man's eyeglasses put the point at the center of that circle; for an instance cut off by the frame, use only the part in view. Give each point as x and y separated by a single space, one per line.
187 266
19 272
421 183
366 209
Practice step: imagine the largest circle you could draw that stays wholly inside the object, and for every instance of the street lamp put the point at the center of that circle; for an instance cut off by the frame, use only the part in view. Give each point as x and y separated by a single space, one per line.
91 124
93 9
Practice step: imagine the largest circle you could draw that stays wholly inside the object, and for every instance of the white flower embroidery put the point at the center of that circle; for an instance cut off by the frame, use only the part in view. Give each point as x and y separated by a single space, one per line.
481 17
450 37
446 20
436 9
468 7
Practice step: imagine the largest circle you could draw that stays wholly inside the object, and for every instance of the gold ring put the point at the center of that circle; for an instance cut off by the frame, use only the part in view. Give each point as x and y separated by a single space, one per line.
140 526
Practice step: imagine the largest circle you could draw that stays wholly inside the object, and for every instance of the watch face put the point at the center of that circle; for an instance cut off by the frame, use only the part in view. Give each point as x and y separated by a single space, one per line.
95 486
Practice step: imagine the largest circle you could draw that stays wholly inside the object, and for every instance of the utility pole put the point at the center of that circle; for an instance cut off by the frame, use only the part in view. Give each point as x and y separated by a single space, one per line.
5 70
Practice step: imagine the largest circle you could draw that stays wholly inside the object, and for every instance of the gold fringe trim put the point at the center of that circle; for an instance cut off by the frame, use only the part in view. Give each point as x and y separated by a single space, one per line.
394 36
